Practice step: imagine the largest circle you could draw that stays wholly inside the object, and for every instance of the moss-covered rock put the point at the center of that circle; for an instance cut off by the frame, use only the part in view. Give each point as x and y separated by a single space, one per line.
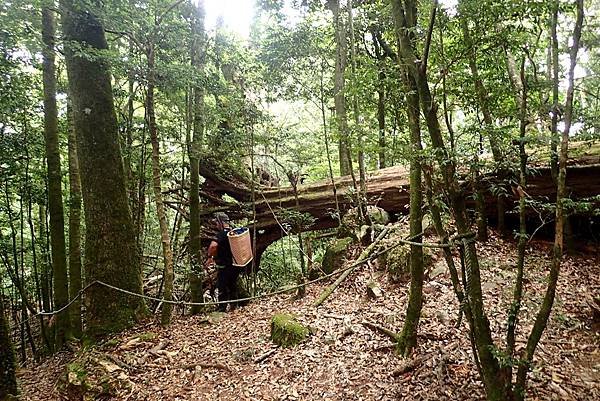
397 260
92 375
351 223
286 331
334 254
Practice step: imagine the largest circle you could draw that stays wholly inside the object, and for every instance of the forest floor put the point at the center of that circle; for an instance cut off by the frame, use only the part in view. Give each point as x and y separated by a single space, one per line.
216 358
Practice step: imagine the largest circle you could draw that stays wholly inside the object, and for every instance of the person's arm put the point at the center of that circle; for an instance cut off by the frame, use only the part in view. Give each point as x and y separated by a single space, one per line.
212 249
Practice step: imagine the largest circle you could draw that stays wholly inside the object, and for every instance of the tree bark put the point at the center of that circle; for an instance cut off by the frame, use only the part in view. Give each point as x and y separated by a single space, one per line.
111 254
543 315
75 283
55 204
8 379
554 120
408 337
196 255
497 386
158 198
339 86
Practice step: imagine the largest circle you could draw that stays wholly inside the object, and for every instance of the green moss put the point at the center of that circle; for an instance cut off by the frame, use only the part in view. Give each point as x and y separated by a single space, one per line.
334 254
286 331
111 343
76 374
147 336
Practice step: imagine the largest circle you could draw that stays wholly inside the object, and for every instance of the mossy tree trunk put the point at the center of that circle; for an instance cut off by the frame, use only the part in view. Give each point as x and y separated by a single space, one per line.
198 55
111 254
157 185
408 336
8 379
55 204
74 228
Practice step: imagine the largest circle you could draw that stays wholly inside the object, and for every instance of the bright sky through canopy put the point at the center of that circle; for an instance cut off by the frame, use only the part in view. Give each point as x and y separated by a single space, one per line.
237 15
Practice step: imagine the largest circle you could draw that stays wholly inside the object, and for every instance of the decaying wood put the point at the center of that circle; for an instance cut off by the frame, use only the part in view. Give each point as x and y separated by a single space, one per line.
387 188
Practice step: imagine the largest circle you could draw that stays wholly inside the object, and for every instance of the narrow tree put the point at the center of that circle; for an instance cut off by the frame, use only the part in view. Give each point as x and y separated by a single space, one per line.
110 251
554 119
55 204
74 228
341 60
156 181
8 379
404 12
198 52
543 315
408 336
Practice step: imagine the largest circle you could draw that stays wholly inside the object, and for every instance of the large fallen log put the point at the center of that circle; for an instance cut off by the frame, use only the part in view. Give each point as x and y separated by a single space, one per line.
387 188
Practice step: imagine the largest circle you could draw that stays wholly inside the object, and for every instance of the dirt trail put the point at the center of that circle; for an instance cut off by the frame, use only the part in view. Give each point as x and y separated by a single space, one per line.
215 359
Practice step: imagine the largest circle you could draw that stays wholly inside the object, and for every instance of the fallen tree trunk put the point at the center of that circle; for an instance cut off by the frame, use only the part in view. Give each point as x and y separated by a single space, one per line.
387 188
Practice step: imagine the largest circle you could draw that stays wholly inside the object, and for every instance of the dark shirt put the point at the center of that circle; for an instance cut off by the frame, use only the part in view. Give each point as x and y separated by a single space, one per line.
224 257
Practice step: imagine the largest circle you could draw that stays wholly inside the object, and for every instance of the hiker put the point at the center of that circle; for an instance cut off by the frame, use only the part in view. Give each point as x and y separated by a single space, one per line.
220 252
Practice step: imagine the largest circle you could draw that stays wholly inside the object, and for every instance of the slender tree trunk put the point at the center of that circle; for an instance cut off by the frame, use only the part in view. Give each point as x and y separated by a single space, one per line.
326 140
515 307
408 336
481 92
543 315
362 196
158 199
111 255
34 255
555 111
339 87
57 219
8 379
497 386
75 283
380 97
196 255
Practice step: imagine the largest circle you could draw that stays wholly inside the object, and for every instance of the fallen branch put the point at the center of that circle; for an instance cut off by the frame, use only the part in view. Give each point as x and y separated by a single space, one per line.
385 331
265 355
407 365
361 259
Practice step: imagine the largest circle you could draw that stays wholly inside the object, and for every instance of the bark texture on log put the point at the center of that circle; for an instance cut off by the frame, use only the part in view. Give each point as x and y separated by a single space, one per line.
387 188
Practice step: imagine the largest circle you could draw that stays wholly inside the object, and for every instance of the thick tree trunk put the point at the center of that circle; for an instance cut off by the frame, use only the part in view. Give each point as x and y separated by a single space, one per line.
55 204
8 379
158 197
45 274
110 250
75 281
339 87
196 255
